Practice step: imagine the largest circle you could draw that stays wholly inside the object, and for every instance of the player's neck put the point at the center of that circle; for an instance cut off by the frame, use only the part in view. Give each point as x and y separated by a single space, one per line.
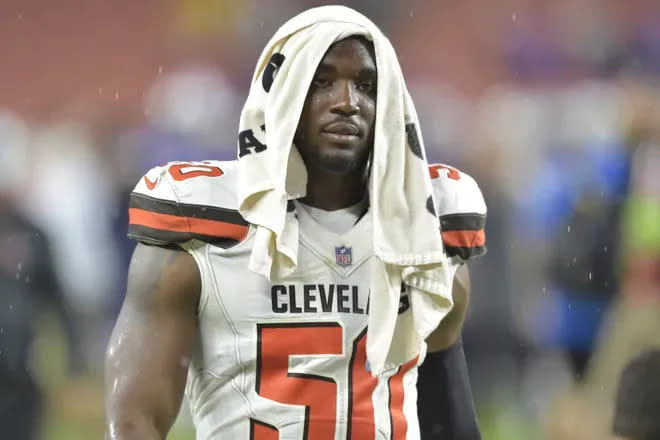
334 191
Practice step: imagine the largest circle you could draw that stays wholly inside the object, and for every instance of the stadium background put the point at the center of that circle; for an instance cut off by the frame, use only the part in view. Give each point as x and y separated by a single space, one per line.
553 105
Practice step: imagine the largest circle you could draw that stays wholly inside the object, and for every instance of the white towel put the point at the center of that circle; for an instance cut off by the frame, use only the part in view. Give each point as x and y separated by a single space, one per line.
407 242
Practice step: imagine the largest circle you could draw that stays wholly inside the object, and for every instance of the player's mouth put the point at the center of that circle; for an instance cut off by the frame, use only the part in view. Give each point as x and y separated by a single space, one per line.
341 132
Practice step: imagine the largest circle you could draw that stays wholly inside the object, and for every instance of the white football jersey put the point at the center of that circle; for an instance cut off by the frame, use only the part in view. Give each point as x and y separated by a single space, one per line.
286 358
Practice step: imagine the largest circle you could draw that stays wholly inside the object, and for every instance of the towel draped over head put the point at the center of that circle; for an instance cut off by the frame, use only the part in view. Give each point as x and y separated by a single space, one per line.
407 243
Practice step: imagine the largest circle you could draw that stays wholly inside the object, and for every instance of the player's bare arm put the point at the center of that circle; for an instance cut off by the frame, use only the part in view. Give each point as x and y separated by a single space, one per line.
449 330
149 350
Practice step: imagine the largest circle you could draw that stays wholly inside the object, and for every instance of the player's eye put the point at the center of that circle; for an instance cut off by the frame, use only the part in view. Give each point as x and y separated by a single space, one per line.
322 82
368 86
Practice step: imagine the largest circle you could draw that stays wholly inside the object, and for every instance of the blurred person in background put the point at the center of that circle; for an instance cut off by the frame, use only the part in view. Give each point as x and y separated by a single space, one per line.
584 255
70 168
637 404
28 287
632 324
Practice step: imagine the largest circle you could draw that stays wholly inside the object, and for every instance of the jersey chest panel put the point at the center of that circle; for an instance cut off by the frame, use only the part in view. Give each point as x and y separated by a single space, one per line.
288 356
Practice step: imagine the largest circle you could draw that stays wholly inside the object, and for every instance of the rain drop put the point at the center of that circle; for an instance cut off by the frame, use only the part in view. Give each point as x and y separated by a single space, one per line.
605 249
160 69
589 276
412 13
116 96
568 228
514 16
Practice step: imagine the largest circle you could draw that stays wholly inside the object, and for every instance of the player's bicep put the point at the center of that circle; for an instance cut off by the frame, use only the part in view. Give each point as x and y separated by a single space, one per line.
150 347
449 330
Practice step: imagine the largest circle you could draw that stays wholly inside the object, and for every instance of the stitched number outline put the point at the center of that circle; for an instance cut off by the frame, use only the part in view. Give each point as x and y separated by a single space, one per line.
188 170
434 171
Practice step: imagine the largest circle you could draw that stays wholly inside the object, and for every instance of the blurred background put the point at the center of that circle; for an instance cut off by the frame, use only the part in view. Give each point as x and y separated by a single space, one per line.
552 105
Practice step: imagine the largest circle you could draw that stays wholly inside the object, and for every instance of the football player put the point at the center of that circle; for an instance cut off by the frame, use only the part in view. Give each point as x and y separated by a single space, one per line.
283 358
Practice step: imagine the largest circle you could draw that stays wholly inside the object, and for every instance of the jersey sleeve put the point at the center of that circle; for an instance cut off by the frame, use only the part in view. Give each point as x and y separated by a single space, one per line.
461 209
181 201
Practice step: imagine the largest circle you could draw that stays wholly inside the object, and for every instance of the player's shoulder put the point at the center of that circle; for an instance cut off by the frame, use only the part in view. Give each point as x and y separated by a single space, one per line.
461 209
179 201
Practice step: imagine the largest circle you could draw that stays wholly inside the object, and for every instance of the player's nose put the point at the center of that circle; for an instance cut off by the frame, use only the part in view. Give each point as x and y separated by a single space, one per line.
345 98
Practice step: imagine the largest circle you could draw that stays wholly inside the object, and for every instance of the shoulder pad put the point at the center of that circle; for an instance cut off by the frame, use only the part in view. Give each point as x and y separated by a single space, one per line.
461 209
180 201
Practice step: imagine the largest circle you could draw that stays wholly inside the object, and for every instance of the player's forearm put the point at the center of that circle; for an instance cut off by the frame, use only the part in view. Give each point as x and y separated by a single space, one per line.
135 426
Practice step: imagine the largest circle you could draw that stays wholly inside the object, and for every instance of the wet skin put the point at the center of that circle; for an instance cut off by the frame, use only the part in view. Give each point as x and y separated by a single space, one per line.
336 129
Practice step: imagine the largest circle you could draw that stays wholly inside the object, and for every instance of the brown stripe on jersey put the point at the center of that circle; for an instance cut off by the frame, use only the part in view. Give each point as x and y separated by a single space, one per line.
188 226
162 237
462 222
465 252
215 213
464 234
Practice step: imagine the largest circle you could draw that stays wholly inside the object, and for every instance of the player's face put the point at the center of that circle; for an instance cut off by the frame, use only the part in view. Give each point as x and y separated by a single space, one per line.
336 128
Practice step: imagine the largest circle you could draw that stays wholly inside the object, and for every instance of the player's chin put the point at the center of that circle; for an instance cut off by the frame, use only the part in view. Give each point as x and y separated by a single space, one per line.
344 161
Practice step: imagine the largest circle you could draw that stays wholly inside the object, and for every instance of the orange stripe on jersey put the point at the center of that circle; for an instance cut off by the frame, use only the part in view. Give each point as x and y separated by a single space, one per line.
399 422
465 239
361 389
168 222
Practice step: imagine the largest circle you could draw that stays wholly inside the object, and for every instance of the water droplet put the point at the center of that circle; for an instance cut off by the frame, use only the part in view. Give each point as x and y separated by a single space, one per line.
19 267
574 260
568 228
160 69
543 289
412 13
116 96
185 361
570 306
605 249
514 16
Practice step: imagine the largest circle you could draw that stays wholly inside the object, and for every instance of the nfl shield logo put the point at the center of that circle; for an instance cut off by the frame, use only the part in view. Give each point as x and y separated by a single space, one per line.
343 255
